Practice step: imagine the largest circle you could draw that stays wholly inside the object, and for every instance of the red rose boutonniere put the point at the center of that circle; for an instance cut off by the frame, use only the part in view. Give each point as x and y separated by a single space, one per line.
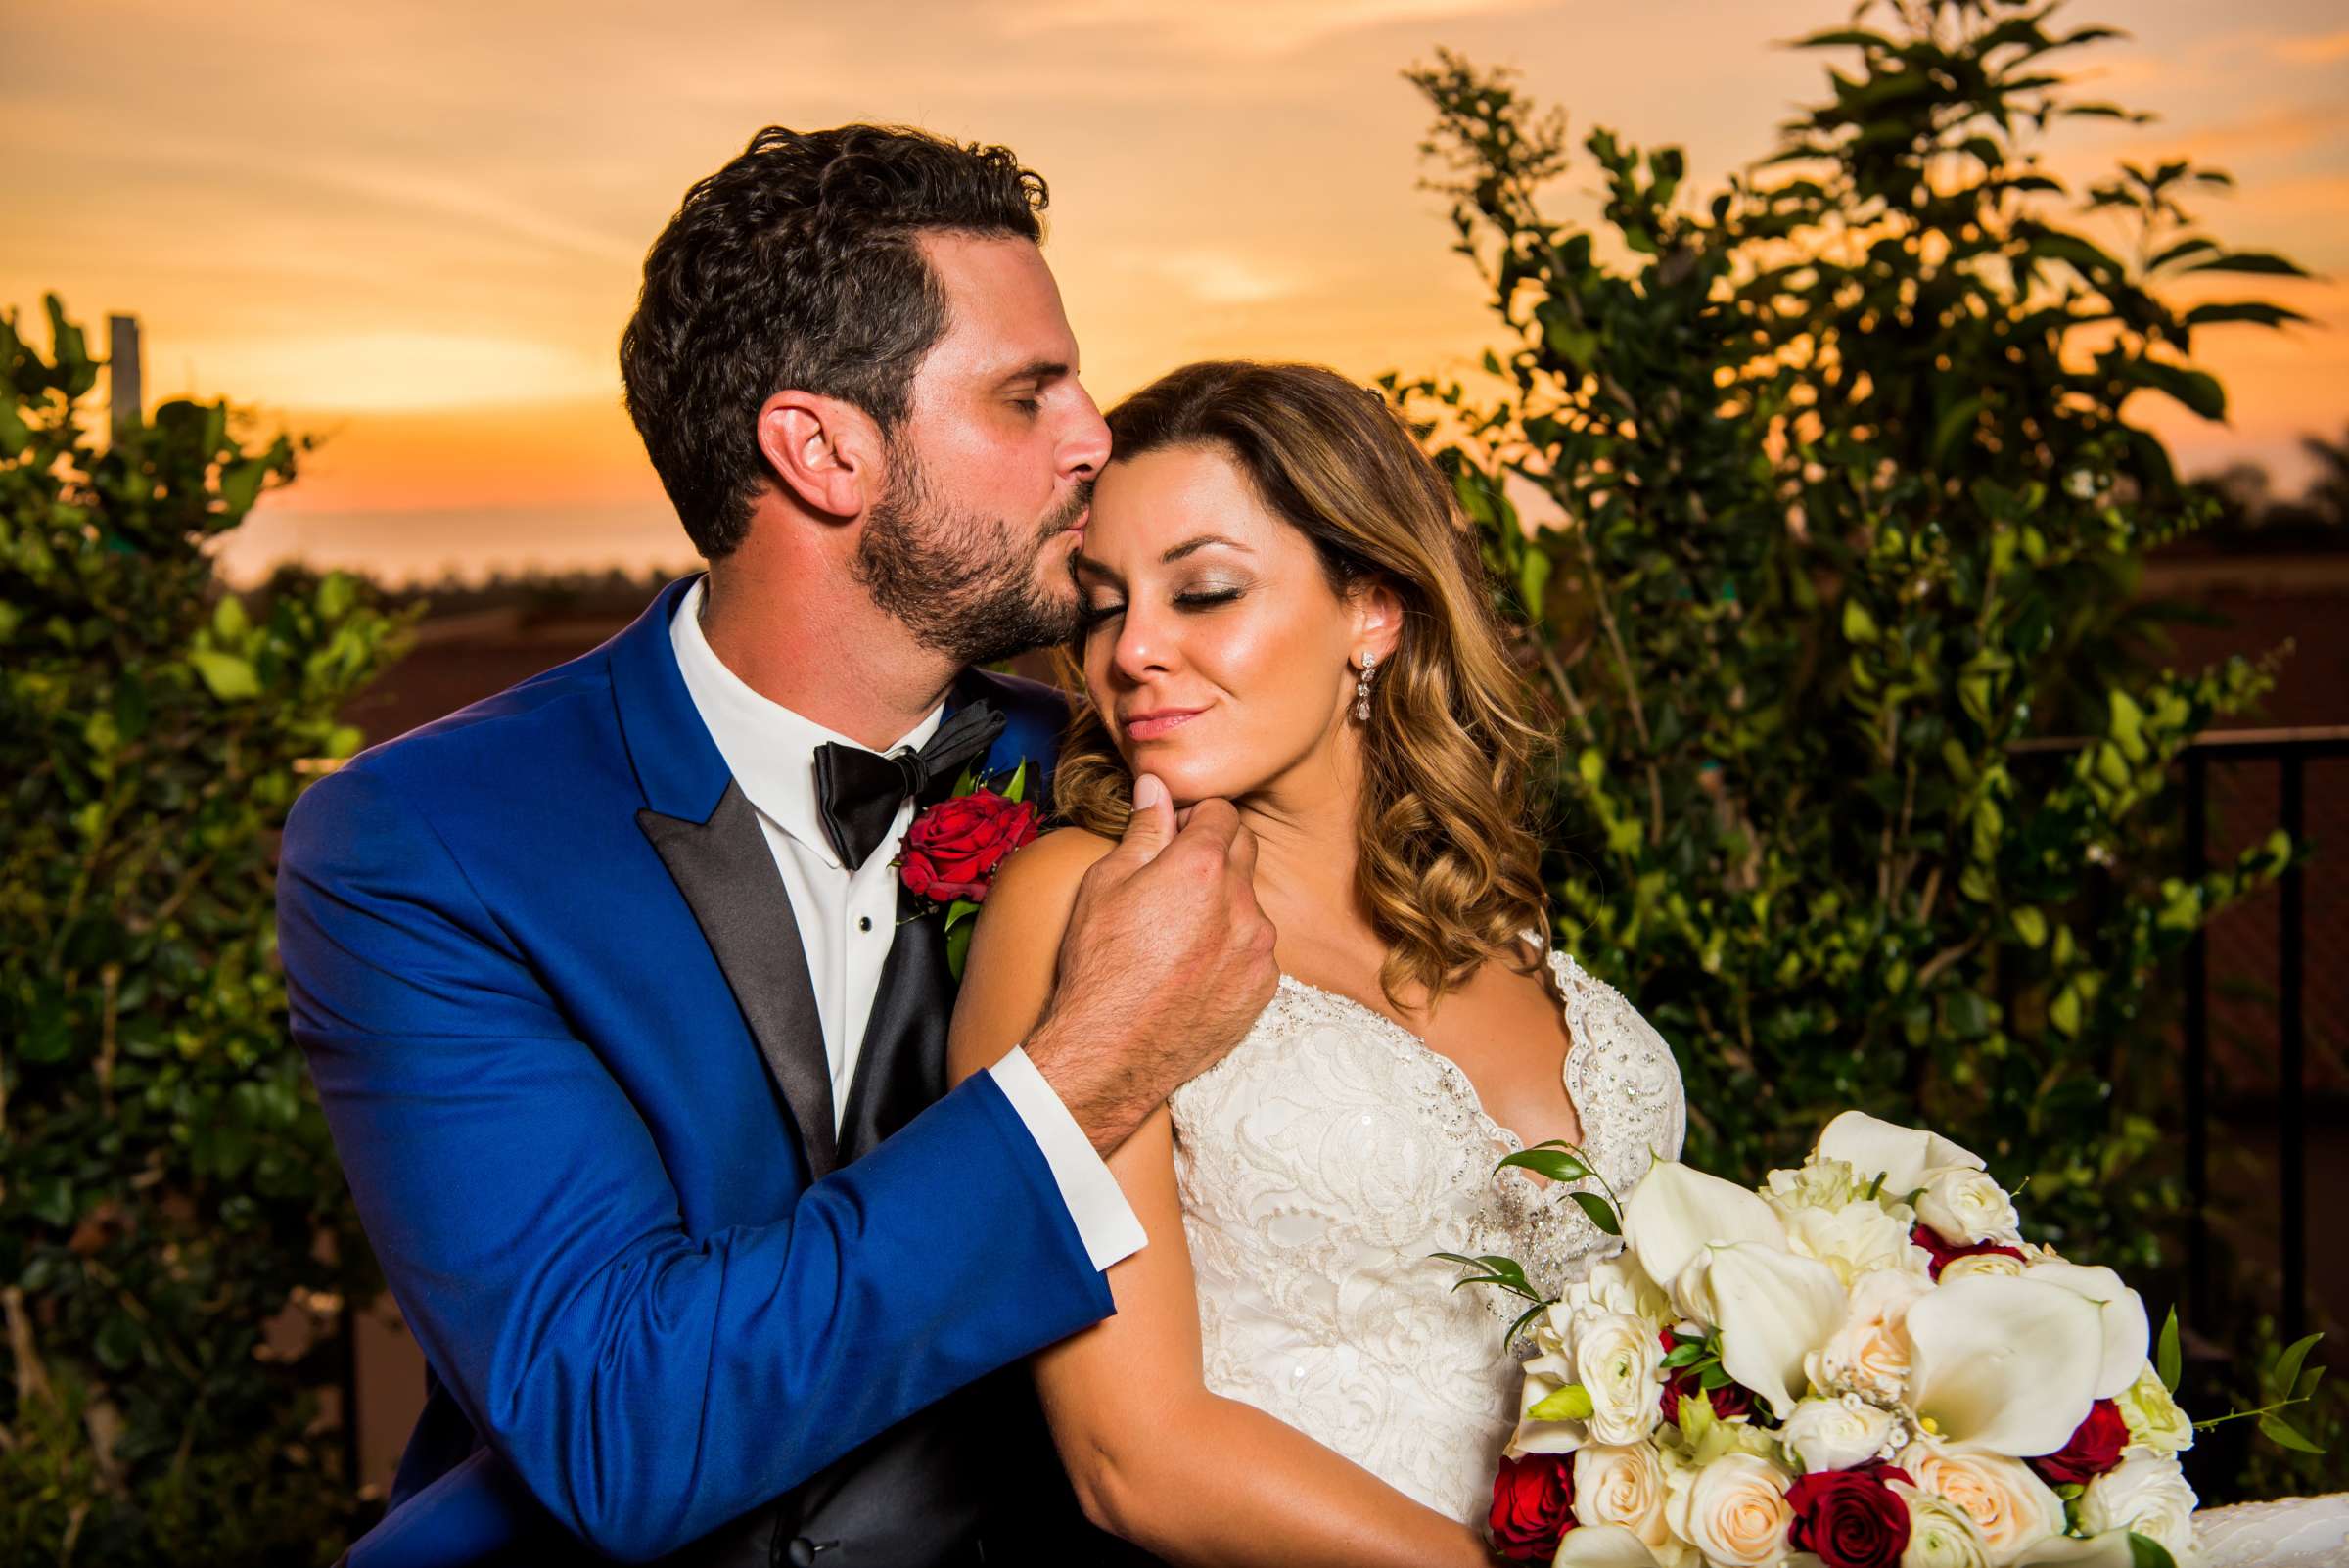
954 849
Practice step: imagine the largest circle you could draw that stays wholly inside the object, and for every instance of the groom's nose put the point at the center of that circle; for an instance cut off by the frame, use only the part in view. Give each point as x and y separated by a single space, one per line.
1084 448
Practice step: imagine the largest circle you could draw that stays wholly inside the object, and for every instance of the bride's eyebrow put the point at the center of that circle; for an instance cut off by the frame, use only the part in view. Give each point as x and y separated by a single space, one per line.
1191 546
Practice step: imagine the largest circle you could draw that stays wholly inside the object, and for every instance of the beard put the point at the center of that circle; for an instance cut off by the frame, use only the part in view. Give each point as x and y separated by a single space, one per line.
965 584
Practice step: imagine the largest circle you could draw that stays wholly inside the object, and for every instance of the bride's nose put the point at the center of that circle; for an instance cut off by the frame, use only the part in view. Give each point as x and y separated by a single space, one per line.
1144 647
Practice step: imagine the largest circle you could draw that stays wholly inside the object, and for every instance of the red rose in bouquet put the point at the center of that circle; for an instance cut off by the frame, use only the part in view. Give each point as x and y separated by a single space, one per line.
1533 1506
1731 1401
1944 1254
2094 1449
1850 1519
953 849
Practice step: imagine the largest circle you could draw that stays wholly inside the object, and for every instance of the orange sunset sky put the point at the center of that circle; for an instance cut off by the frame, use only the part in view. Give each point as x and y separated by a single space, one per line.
415 228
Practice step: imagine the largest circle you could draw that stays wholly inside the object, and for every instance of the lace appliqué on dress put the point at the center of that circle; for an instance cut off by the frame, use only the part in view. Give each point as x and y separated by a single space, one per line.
1327 1157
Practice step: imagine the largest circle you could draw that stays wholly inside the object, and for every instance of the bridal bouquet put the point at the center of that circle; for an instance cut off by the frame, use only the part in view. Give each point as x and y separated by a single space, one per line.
1861 1364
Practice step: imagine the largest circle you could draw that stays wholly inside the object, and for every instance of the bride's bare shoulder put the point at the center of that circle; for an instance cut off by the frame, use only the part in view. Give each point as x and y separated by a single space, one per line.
1036 884
1016 948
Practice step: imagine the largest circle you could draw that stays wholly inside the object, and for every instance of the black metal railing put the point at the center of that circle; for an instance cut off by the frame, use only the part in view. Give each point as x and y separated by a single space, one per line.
2291 751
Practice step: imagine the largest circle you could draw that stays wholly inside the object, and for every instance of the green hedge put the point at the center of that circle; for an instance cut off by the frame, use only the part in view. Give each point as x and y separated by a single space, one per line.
1844 497
170 1210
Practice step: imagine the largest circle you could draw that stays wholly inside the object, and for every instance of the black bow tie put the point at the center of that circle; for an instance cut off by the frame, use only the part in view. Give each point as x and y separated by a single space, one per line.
858 792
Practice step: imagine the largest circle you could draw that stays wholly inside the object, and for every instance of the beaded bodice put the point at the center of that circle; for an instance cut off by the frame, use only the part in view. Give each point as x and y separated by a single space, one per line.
1325 1160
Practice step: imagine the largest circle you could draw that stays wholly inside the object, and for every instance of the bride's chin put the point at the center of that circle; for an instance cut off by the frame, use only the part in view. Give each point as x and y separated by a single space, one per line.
1188 787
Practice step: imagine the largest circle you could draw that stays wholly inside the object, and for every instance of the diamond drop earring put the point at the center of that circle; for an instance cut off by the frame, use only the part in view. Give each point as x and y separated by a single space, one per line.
1361 687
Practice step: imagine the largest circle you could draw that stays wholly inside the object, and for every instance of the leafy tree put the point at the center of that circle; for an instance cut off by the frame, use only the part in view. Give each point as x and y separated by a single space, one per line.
1841 509
176 1235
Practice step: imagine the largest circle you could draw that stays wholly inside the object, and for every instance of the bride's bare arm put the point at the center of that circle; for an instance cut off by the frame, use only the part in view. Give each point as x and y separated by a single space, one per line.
1192 1477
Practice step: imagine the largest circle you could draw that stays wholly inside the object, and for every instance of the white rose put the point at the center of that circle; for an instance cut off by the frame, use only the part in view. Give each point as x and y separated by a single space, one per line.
1619 1284
1814 1184
2157 1425
2011 1508
1623 1486
1734 1511
1861 1237
1616 1359
2147 1493
1981 1264
1836 1434
1939 1535
1964 1206
1869 1353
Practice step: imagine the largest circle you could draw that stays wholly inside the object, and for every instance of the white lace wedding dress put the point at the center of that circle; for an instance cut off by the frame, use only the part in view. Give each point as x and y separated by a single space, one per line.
1326 1157
1333 1150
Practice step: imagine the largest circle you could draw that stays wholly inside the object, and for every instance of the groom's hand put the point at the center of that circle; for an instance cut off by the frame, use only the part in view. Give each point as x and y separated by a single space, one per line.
1166 962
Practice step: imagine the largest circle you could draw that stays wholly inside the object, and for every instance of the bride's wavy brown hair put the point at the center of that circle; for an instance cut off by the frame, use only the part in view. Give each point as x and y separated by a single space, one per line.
1448 868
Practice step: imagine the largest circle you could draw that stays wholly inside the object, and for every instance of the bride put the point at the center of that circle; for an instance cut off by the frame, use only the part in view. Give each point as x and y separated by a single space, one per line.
1280 610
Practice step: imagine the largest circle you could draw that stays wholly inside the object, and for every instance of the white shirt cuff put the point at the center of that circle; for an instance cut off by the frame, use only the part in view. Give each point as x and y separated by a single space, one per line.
1105 1220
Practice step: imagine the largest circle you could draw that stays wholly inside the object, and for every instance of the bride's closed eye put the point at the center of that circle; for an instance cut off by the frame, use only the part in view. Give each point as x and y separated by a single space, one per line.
1092 615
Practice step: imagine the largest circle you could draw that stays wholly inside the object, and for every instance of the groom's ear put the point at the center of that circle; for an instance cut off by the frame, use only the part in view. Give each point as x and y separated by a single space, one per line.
823 451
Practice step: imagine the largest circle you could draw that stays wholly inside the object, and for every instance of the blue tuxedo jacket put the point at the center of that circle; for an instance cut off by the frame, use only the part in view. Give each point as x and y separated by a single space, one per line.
547 981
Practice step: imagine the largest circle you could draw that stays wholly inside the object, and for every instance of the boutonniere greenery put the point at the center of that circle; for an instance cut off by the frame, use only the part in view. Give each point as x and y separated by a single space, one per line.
954 849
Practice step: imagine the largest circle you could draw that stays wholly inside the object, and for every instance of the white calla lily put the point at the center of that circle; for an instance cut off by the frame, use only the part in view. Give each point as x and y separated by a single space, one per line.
2004 1365
1675 1212
1773 1309
1602 1547
2121 1313
1902 1155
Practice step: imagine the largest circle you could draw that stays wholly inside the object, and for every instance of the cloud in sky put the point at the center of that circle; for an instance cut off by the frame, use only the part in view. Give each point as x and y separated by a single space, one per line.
418 224
2319 50
1244 27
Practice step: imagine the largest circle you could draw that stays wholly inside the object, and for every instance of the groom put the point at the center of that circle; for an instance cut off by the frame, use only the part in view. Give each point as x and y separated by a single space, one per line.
632 1044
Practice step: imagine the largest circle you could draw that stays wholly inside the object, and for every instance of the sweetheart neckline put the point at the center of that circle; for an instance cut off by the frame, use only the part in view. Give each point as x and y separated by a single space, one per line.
1398 1033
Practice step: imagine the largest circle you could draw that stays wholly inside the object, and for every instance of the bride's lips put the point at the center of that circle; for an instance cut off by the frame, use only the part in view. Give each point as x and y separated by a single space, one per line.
1158 721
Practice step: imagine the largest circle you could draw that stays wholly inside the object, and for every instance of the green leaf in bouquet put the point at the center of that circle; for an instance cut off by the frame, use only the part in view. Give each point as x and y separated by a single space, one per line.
1571 1403
1524 1317
958 946
2147 1553
2281 1432
2284 1376
1715 1375
1555 1163
1695 1418
1683 1354
1495 1270
2168 1364
1601 1213
1016 790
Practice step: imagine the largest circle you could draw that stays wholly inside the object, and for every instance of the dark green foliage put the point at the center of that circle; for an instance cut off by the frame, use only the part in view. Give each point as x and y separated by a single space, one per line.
169 1202
1844 512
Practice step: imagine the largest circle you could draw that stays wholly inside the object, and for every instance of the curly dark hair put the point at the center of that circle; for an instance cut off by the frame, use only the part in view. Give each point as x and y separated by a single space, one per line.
797 266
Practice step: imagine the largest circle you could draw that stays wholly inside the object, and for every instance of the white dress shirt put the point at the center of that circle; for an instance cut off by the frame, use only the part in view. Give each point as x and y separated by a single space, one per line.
847 916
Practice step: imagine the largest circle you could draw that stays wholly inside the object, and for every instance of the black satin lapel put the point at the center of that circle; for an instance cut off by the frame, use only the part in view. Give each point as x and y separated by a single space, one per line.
728 874
901 1066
